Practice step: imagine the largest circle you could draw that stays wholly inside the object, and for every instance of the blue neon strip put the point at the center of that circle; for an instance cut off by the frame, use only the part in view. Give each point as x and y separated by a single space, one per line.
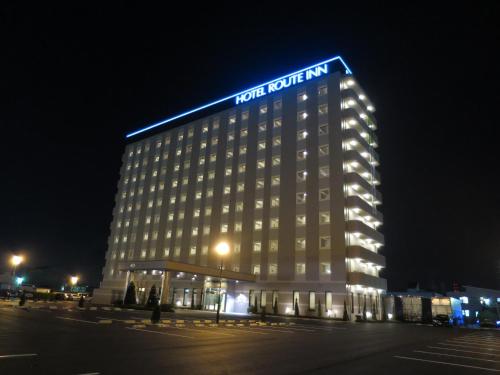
347 70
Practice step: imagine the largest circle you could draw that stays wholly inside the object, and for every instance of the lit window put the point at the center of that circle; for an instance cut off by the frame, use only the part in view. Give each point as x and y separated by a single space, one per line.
237 226
241 168
197 195
276 141
301 154
228 171
239 206
323 109
275 180
194 231
262 127
275 201
301 134
169 234
464 300
275 223
229 154
277 105
258 225
196 212
261 164
225 208
261 145
211 175
273 269
210 192
276 160
301 97
240 186
302 115
208 211
213 158
323 150
237 247
300 220
301 176
230 136
201 161
205 129
243 150
260 183
300 268
243 132
277 123
324 217
263 109
227 189
224 227
257 245
324 172
273 245
256 269
325 242
322 90
244 115
259 203
232 119
324 194
206 229
199 178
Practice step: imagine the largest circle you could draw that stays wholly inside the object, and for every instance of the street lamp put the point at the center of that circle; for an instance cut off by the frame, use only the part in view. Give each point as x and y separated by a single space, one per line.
222 249
73 280
15 260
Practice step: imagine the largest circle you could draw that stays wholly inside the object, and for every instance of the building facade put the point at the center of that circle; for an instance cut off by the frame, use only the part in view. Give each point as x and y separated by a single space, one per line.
286 174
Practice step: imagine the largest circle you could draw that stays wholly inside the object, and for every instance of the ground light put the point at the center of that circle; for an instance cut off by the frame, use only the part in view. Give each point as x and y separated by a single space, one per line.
222 249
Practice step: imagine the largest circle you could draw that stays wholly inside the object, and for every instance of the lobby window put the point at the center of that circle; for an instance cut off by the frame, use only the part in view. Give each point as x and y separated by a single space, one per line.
240 186
276 160
300 244
302 134
301 176
259 183
324 217
261 164
259 203
322 90
273 269
275 201
257 246
261 145
323 150
325 242
301 154
256 269
277 123
275 180
324 172
275 223
323 109
262 127
301 116
192 250
324 194
263 109
312 301
300 268
273 245
325 268
276 141
277 105
258 225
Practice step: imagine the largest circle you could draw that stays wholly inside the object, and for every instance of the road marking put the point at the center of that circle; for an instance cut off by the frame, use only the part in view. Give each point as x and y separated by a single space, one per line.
157 332
476 342
318 327
457 356
90 373
248 330
463 351
76 320
128 321
468 346
6 356
446 363
270 329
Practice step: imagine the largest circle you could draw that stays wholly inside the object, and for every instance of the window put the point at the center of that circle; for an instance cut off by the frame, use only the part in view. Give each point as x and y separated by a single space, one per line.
208 210
237 226
243 150
312 301
261 145
464 300
259 203
262 127
256 269
205 129
199 178
237 247
324 217
240 186
227 189
301 154
275 180
225 208
325 242
302 115
257 245
323 109
276 160
239 206
229 154
322 90
324 172
260 183
273 245
302 134
276 141
323 150
261 164
241 168
211 175
325 268
300 220
213 158
300 244
196 212
277 123
263 109
324 194
224 227
244 115
274 223
192 250
258 224
228 171
275 201
201 161
300 268
301 176
206 229
277 105
243 133
232 119
301 97
273 269
230 136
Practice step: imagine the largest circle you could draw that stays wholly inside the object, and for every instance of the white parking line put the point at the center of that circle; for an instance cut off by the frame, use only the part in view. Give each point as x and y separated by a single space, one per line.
446 363
457 356
468 346
158 332
76 320
477 342
463 351
6 356
90 373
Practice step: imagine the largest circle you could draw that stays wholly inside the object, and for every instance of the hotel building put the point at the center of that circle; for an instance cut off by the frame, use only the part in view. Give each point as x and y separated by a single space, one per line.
285 173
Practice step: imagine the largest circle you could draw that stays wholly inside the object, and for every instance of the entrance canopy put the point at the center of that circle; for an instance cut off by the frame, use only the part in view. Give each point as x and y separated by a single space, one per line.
168 265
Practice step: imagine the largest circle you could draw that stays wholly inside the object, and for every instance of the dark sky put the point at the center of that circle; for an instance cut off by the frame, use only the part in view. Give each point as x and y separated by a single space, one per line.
74 81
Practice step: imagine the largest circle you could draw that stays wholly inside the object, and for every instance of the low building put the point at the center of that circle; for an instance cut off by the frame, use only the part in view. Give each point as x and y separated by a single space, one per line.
474 300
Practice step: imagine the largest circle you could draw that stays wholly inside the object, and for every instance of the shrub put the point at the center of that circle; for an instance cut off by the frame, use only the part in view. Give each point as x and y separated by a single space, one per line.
296 307
130 295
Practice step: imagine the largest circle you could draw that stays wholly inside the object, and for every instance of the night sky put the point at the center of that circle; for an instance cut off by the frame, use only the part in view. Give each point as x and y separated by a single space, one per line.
74 81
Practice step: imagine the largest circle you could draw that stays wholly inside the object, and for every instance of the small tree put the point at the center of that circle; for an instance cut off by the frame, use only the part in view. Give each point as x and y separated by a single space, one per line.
22 299
192 299
296 307
156 314
345 317
275 306
130 296
384 315
374 311
81 302
364 309
152 299
320 312
255 306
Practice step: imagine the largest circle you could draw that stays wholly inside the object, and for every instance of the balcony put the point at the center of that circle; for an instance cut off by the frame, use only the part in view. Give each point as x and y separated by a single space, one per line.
351 100
365 255
354 202
360 165
361 188
359 123
358 278
355 141
363 230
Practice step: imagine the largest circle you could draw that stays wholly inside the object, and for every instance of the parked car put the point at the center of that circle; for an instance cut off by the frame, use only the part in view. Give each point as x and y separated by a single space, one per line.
441 320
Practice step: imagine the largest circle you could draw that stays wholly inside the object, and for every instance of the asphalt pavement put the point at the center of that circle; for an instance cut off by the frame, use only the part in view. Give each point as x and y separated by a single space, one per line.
60 338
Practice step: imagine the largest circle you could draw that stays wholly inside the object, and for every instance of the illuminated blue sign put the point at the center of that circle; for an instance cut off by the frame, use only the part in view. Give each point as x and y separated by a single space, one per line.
275 85
282 83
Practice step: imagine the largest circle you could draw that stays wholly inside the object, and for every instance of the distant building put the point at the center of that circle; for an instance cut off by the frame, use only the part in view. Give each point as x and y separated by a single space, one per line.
285 172
474 300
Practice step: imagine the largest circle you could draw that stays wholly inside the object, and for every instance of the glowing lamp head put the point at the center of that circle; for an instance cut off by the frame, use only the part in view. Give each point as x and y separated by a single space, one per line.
222 248
73 280
16 260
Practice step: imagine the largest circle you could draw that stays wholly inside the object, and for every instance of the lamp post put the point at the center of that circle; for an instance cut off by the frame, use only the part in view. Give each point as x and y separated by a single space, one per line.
15 260
73 281
222 249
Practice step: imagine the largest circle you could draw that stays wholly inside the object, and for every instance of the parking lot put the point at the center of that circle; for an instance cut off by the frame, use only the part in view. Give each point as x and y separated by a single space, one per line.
60 338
